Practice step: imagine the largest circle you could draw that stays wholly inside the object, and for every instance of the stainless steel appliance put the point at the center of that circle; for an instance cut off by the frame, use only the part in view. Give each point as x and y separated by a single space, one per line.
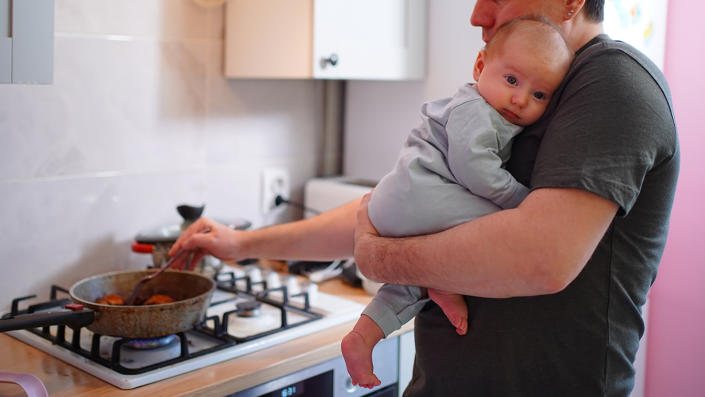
330 378
250 310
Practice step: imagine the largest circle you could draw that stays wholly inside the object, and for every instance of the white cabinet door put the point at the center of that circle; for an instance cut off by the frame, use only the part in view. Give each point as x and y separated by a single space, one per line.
369 39
26 41
326 39
5 42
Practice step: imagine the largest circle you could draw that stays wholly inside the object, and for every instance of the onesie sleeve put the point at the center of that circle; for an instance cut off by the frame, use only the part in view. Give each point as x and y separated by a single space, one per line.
479 143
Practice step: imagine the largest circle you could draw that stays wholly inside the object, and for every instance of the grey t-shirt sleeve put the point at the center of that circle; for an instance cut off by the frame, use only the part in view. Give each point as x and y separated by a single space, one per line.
598 144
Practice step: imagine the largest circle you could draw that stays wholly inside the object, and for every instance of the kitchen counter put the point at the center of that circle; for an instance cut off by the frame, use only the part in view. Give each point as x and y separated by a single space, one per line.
220 379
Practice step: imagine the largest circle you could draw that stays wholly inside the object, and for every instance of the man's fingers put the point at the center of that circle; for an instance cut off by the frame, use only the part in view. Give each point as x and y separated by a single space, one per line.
198 255
364 225
184 241
180 263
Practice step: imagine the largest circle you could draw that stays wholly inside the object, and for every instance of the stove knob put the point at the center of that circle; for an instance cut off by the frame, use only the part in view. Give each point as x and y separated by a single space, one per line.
254 273
236 271
349 387
292 285
273 280
312 289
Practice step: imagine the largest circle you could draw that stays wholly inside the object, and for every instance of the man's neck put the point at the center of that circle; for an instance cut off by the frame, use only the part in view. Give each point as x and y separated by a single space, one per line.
582 33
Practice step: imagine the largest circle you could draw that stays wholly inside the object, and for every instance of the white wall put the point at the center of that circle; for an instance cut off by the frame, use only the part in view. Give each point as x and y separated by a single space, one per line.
139 119
379 115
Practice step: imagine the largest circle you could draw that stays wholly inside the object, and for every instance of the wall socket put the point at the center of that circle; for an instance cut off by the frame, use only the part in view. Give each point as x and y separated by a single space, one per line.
275 182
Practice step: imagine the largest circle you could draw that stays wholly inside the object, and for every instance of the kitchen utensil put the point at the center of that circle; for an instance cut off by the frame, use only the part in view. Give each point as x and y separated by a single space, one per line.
191 292
31 385
138 288
189 212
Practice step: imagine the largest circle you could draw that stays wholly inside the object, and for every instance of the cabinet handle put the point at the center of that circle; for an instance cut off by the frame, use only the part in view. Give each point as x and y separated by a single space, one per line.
332 60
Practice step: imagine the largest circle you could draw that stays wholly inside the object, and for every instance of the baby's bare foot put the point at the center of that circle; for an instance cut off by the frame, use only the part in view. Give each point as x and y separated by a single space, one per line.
454 307
358 360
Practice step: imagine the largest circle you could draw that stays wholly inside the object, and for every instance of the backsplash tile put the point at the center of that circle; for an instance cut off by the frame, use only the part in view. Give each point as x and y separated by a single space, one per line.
152 19
131 128
107 112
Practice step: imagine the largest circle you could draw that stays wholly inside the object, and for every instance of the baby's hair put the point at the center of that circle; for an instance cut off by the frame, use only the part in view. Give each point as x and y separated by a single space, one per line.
544 36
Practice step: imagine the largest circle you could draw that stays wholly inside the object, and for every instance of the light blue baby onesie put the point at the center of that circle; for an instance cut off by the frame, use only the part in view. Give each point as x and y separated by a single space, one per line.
449 171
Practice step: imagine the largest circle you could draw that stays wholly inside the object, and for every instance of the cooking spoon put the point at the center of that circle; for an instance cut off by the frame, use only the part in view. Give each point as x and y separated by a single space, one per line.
138 287
145 279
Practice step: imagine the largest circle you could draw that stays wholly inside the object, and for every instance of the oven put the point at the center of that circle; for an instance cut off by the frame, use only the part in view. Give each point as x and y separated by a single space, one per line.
330 378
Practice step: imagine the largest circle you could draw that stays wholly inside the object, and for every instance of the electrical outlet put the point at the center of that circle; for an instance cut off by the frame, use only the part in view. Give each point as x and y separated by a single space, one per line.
275 182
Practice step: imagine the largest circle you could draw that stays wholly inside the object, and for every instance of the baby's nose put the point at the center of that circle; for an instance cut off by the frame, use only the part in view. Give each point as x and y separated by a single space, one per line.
520 99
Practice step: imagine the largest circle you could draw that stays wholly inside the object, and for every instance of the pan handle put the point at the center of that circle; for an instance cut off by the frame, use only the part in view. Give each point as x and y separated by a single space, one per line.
74 319
141 248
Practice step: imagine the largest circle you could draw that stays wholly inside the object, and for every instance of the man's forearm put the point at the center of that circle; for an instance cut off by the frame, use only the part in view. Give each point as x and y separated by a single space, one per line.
460 259
324 237
535 249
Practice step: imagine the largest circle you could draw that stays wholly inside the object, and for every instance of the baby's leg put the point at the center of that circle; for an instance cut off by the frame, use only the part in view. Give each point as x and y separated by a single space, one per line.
357 348
453 306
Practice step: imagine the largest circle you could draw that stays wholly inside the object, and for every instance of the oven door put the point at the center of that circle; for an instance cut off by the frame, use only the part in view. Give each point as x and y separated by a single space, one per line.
330 378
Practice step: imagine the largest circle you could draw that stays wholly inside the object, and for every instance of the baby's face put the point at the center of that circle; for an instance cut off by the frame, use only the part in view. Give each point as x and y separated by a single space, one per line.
518 83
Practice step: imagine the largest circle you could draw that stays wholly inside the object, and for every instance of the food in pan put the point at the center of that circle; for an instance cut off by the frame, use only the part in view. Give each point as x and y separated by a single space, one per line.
117 300
158 299
111 299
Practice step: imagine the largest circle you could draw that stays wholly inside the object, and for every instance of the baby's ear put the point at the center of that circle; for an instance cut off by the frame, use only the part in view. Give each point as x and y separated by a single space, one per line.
479 65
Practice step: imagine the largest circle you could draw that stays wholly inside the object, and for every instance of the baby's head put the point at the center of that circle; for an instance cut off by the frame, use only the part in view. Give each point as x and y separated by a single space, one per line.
520 68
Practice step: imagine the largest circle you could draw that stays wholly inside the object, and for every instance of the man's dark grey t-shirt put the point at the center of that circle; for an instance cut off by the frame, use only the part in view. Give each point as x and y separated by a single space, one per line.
610 131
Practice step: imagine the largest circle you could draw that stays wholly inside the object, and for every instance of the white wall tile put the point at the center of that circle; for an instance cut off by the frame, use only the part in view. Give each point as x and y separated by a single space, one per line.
265 110
155 19
114 107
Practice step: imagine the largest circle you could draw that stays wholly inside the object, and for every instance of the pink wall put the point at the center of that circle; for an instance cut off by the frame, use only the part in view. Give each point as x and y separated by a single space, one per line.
676 344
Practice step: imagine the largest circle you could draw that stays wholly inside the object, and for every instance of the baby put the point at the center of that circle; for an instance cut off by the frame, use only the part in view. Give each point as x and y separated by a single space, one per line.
450 170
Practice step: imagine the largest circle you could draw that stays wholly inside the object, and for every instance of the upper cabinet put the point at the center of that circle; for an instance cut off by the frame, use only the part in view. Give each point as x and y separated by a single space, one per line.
326 39
26 41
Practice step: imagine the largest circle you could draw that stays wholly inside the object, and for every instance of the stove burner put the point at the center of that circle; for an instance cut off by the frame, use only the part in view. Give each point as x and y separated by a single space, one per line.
151 343
248 309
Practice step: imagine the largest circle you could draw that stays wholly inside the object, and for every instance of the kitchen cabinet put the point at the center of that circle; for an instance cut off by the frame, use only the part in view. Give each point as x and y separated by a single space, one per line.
326 39
26 41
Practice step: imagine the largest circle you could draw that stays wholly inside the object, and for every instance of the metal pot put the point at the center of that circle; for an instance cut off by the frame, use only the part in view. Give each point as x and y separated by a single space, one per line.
157 241
191 292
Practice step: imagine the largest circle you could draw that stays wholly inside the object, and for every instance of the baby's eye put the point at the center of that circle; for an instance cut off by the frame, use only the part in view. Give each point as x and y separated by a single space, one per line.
511 80
539 95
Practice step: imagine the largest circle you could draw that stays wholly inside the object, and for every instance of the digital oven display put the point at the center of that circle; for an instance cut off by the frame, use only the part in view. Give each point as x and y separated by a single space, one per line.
319 385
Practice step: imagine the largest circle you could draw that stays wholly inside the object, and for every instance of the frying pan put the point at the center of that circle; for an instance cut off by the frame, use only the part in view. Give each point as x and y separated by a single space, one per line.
191 292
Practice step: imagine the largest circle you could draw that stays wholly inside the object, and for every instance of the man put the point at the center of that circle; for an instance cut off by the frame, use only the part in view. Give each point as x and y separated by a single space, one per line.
581 250
554 287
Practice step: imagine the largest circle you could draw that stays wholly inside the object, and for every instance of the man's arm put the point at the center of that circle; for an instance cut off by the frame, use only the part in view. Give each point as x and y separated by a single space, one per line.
327 236
536 248
324 237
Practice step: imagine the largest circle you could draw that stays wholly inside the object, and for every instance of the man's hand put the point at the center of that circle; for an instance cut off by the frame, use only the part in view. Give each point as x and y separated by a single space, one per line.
365 235
206 237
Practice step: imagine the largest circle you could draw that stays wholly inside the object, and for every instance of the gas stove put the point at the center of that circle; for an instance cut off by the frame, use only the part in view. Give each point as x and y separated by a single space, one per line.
250 310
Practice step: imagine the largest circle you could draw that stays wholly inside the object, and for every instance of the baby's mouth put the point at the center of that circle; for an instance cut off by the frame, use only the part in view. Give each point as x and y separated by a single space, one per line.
509 115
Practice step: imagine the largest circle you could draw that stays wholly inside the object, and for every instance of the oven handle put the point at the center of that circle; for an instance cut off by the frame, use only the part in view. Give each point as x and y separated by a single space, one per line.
74 319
